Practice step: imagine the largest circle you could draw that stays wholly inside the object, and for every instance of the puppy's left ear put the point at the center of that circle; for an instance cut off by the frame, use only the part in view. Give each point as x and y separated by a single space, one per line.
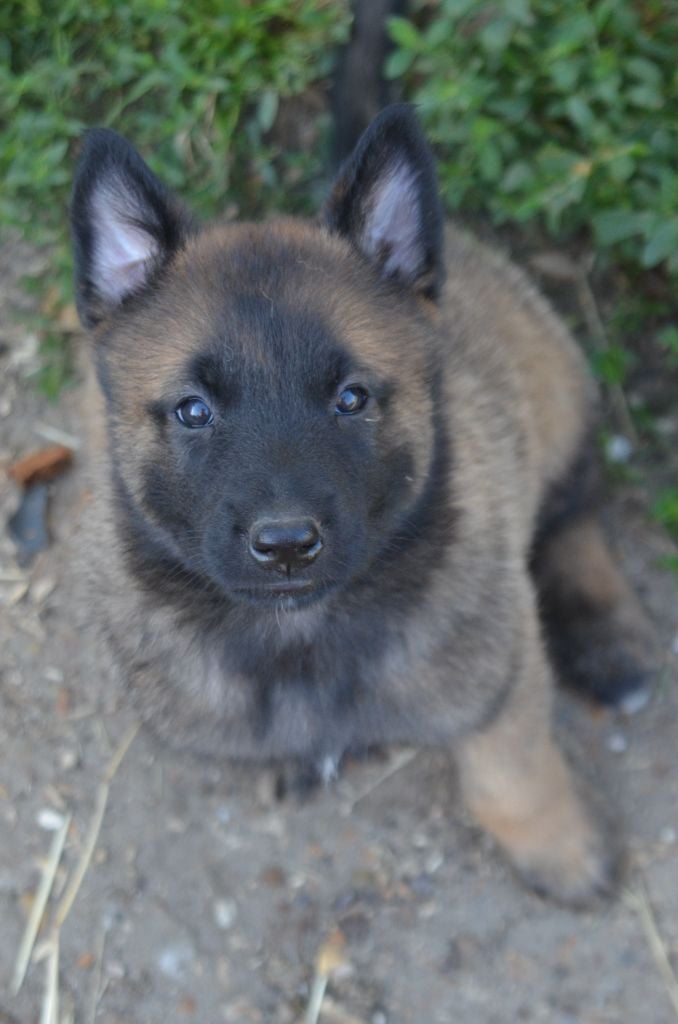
386 202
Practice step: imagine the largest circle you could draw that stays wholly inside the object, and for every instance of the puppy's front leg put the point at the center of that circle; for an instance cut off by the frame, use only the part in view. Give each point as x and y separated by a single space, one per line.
518 786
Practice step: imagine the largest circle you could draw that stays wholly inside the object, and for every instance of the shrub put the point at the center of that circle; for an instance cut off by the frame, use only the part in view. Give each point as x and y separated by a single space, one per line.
563 113
196 86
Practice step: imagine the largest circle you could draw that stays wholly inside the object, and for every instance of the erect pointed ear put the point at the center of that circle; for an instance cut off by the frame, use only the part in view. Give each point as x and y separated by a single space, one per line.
386 201
125 224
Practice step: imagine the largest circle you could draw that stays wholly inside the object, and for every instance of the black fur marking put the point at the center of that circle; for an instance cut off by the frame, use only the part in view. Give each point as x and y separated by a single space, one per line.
429 528
160 572
576 494
591 652
209 370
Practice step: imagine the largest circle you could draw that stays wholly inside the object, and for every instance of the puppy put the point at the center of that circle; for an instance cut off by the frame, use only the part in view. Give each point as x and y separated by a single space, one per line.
341 468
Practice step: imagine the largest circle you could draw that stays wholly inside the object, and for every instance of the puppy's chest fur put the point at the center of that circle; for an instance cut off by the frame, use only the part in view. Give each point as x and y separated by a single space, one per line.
274 684
310 683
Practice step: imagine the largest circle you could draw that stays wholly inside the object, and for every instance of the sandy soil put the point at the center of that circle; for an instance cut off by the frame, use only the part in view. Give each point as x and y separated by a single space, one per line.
208 900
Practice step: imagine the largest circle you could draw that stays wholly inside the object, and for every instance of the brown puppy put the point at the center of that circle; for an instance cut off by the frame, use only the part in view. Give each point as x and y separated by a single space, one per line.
329 481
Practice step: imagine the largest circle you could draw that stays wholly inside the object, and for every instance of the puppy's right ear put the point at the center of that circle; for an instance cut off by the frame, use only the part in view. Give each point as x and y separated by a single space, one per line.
125 225
385 202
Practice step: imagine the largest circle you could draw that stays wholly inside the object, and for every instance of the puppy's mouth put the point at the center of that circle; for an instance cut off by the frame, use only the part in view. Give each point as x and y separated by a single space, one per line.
289 592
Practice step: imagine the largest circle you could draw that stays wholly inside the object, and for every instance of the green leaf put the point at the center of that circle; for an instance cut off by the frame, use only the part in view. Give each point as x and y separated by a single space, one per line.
267 110
579 112
662 243
458 8
668 339
670 562
612 365
564 74
665 509
648 97
398 62
645 70
517 177
489 161
617 225
404 33
520 11
496 35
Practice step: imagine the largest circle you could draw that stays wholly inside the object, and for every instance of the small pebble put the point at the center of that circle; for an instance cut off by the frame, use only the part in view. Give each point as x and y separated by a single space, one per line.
173 960
41 589
434 862
674 645
53 674
49 819
225 913
427 910
17 593
223 814
668 835
8 814
617 743
619 449
68 759
115 970
241 1011
176 825
422 885
635 702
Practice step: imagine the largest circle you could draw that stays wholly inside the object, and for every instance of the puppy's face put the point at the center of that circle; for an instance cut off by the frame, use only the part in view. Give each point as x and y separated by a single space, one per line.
270 388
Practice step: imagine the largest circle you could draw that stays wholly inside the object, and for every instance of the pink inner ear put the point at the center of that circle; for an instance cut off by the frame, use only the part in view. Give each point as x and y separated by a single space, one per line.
394 223
123 251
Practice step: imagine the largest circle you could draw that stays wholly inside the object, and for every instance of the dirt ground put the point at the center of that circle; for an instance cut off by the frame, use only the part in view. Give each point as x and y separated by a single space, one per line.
208 900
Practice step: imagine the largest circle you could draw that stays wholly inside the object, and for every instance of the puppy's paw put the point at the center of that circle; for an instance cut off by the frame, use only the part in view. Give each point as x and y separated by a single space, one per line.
578 865
610 657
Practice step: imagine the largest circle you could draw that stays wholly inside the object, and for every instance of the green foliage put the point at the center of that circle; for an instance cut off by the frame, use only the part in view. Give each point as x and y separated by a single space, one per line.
196 86
612 364
56 371
565 113
670 562
668 342
665 509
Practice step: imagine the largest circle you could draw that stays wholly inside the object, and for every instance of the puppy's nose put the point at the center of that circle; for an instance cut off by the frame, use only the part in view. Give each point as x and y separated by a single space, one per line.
285 544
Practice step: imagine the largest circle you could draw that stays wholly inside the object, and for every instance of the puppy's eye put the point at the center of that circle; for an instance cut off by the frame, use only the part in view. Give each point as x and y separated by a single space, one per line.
194 413
351 400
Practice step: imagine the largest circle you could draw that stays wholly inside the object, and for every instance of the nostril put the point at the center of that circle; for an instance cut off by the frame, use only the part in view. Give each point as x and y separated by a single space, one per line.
311 537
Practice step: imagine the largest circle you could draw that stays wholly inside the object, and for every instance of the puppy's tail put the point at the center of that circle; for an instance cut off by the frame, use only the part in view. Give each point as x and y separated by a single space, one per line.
360 89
